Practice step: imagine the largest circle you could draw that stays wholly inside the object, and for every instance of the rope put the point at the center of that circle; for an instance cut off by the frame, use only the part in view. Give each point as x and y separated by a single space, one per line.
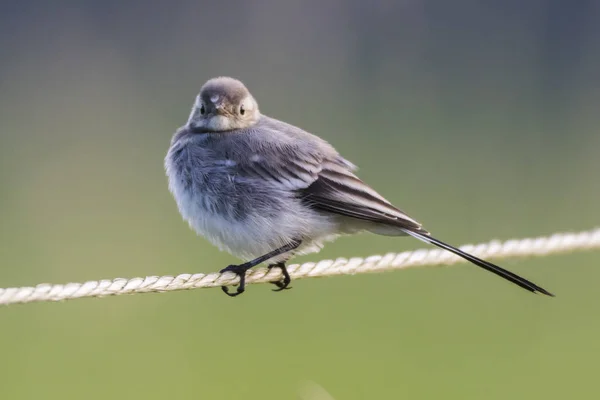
540 246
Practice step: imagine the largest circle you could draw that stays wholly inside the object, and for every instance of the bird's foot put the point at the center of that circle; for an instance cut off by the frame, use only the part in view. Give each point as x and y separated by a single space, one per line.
239 270
285 282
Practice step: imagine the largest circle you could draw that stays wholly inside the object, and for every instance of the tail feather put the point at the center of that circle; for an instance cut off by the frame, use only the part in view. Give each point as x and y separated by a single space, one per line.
516 279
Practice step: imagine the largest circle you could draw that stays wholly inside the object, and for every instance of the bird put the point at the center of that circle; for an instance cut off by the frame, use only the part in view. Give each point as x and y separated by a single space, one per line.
265 190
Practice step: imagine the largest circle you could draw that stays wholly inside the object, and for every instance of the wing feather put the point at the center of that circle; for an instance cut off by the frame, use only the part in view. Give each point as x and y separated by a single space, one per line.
296 161
338 190
285 169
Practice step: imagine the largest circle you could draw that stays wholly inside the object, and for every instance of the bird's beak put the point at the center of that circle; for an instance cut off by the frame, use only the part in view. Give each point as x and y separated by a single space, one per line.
218 103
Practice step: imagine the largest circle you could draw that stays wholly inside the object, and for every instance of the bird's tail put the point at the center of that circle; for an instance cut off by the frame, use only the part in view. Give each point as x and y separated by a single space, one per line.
516 279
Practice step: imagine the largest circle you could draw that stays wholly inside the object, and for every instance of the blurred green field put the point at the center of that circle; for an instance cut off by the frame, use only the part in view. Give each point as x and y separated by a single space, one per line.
478 119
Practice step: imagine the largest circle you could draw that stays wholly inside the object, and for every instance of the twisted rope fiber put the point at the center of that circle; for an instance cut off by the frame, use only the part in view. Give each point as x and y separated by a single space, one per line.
540 246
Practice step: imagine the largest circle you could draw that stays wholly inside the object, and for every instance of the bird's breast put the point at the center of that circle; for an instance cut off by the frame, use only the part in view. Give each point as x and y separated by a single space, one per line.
237 213
232 213
202 184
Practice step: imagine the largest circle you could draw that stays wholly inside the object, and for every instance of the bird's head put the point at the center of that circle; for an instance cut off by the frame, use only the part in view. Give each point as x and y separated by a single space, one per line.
224 104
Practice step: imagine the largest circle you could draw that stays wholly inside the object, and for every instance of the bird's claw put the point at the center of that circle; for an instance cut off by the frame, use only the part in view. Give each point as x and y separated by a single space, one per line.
284 283
240 271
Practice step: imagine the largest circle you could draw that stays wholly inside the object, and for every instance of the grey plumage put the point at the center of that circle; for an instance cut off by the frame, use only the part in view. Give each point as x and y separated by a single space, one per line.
251 184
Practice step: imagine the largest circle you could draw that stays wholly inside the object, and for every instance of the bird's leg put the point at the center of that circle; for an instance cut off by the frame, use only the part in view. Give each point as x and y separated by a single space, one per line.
284 283
240 270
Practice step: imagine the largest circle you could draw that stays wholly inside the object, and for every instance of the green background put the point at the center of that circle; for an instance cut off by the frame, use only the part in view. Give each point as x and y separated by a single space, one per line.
478 118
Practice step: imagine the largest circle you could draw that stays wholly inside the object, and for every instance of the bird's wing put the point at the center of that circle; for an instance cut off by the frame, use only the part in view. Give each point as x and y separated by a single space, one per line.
337 190
286 169
291 159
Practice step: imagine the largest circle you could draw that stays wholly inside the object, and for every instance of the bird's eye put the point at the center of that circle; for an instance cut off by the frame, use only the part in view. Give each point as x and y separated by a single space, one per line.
242 110
202 110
